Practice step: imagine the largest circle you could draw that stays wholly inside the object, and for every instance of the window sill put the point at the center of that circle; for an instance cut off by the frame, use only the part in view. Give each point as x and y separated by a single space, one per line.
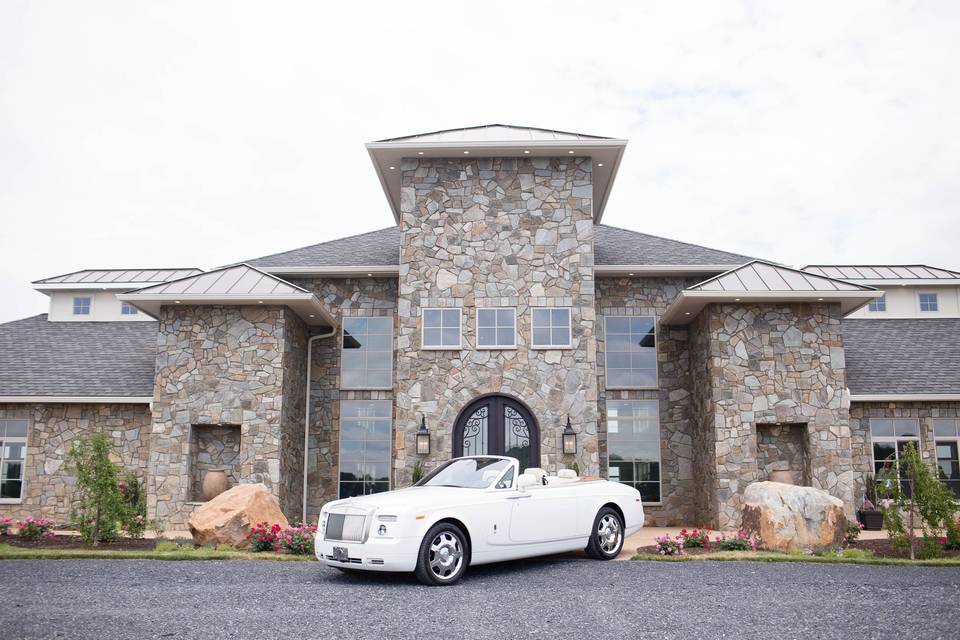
450 348
565 347
11 501
498 348
390 388
656 388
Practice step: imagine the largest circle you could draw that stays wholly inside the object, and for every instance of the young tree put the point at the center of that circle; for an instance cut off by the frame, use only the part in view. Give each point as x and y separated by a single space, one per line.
98 504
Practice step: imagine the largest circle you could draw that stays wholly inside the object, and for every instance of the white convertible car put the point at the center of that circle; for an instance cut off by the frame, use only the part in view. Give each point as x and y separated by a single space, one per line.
475 510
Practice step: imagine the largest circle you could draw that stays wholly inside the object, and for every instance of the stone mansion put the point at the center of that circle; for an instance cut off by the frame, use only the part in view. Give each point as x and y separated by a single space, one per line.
495 311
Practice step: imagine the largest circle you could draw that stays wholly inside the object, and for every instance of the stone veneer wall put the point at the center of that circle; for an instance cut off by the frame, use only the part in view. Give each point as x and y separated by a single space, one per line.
219 365
783 447
500 232
345 297
292 415
860 414
213 447
51 429
650 297
769 364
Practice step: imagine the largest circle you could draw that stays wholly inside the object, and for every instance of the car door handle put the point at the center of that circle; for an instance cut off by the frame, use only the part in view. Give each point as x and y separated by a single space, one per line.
526 495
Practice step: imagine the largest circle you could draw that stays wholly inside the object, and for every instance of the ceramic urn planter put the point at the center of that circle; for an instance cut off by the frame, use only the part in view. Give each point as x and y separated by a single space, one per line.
215 482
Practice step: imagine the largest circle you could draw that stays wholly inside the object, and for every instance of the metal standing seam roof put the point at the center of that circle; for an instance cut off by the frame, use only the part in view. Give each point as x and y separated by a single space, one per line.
116 276
77 359
902 356
882 272
494 133
237 280
758 276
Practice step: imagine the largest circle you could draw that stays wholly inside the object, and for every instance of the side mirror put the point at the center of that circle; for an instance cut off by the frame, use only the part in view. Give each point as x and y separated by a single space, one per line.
525 481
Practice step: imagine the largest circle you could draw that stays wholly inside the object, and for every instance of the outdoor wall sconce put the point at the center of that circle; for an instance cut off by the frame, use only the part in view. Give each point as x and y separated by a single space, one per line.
423 438
569 439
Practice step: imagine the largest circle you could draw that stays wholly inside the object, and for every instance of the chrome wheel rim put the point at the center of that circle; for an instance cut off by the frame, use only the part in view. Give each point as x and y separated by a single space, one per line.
446 555
609 534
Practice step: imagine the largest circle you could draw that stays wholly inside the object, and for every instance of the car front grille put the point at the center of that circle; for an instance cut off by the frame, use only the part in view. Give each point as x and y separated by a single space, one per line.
345 526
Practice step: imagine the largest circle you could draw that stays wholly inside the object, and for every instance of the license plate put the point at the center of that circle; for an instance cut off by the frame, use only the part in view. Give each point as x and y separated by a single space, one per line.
340 554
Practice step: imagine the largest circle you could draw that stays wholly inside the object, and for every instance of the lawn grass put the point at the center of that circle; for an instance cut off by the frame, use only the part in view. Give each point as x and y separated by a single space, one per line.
771 556
9 552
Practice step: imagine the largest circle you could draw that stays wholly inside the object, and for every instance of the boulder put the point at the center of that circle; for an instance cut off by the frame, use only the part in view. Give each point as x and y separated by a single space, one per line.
788 517
227 519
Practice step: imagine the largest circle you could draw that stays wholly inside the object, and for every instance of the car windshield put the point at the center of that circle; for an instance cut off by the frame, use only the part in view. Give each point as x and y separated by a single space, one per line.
468 473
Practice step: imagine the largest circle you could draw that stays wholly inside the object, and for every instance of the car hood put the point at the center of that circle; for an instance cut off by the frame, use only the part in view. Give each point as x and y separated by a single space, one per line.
411 499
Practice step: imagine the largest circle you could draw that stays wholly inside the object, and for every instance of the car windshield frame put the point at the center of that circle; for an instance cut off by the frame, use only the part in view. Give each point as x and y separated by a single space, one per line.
446 476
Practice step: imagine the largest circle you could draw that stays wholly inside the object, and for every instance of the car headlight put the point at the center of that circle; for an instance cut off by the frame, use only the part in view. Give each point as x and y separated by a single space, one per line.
380 525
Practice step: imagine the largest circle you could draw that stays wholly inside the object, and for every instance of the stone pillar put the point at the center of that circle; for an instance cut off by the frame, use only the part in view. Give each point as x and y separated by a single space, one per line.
497 232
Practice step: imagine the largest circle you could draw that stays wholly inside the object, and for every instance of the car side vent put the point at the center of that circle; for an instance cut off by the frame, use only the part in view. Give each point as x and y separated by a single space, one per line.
376 561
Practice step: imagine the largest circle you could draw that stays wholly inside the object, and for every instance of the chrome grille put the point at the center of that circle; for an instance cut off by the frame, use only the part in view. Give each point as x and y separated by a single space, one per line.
345 526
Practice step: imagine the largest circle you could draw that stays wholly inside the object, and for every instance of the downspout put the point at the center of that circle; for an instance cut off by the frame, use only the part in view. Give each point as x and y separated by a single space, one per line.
306 420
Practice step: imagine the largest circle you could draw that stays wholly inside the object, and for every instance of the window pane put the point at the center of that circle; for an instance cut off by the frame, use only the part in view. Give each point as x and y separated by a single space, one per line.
451 318
561 337
431 337
945 428
884 451
431 318
505 317
560 317
907 428
487 337
10 489
451 337
365 446
505 337
541 317
649 491
486 317
630 344
881 427
541 337
619 324
355 325
13 451
15 428
633 445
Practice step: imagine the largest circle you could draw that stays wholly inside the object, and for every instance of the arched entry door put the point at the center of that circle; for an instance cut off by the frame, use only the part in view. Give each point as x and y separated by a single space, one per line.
498 425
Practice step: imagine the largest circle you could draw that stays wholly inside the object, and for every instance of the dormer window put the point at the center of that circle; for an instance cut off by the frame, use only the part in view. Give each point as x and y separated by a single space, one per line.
127 309
81 306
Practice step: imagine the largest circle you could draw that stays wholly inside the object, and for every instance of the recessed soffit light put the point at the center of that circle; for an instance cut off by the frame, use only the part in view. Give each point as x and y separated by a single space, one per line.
419 153
392 168
599 164
570 152
466 153
369 275
527 151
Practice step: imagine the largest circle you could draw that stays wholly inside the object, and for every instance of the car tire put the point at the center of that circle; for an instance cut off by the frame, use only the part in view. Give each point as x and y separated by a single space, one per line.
606 536
443 555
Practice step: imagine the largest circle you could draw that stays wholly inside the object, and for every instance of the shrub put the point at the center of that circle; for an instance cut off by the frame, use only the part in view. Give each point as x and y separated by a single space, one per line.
34 528
298 539
926 499
853 531
951 541
263 537
166 545
670 547
417 474
98 504
696 539
740 541
135 505
5 524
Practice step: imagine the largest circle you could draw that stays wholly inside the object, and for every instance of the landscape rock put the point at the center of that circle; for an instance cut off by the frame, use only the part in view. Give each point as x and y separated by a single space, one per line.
227 519
787 517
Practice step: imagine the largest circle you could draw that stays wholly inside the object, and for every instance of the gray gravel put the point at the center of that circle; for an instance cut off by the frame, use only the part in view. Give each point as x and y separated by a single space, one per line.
576 599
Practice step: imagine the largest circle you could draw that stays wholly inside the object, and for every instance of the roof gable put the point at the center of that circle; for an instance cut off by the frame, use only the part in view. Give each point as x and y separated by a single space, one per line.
759 276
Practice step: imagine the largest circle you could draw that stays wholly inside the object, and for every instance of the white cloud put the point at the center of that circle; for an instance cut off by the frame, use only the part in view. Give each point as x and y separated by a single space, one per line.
198 134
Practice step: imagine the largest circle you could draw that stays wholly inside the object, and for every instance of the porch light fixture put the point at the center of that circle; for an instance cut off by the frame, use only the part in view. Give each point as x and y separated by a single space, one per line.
423 438
569 439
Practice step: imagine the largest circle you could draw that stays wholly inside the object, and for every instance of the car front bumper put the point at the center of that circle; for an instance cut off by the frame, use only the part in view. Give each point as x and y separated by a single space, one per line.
376 554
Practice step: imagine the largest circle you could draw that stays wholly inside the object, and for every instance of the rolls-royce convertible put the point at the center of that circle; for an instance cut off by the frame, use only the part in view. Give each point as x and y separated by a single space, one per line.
475 510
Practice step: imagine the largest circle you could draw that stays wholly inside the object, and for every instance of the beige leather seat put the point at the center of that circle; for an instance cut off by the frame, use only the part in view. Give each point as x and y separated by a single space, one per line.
537 473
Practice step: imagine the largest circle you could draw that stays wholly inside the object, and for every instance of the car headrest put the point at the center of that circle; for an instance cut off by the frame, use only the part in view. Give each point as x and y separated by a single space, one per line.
525 480
567 474
536 472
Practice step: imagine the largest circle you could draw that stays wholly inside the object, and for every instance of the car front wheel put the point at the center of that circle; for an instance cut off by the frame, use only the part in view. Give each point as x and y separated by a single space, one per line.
606 537
443 555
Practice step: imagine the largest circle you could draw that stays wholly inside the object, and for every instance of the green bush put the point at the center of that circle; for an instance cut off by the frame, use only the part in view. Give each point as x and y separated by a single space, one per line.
134 505
98 504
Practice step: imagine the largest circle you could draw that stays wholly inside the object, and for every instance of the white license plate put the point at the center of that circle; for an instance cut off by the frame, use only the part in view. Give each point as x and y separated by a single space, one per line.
340 554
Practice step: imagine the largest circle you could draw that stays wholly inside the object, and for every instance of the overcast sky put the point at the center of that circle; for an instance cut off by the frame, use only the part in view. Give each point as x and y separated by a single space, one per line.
137 134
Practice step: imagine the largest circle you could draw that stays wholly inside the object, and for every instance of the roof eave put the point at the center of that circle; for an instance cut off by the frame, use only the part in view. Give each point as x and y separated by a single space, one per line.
688 304
903 397
305 305
79 399
610 270
371 271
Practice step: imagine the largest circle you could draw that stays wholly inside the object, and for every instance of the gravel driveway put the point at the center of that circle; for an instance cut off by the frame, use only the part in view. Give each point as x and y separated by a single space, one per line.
575 599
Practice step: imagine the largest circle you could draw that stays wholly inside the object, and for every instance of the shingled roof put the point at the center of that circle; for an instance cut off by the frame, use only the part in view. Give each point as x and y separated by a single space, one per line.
77 359
612 245
902 357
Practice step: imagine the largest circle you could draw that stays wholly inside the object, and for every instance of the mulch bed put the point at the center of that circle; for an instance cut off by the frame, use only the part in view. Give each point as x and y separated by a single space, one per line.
880 548
75 542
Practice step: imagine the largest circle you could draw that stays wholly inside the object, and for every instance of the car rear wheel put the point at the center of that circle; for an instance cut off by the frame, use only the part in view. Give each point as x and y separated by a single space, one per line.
443 555
606 537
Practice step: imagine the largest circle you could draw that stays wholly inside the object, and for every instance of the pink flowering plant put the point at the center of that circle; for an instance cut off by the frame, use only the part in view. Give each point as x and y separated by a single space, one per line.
34 528
853 531
264 537
696 539
298 539
5 524
667 546
740 541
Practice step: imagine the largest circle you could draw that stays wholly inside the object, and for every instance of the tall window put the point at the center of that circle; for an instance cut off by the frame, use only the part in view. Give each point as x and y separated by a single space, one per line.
127 309
633 445
81 306
365 437
631 352
889 436
367 356
441 329
551 329
928 302
496 328
13 448
946 433
880 304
